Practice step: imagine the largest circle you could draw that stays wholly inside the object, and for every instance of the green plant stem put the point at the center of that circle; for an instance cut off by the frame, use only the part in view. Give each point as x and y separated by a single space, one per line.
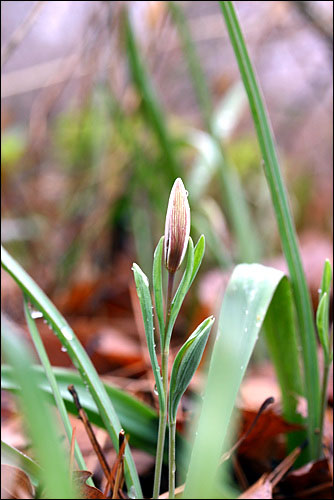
285 225
162 429
163 414
327 365
172 467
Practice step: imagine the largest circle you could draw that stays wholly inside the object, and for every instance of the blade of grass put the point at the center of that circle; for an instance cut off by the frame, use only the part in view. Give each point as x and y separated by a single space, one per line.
39 421
326 339
153 111
78 356
285 224
236 207
53 384
246 302
197 74
142 429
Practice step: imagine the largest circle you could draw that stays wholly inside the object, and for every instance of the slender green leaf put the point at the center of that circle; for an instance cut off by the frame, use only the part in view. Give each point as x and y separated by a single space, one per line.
245 305
322 324
186 363
322 316
157 288
213 157
198 257
143 291
40 423
150 101
326 279
53 384
181 291
205 222
285 224
15 457
78 356
142 429
197 74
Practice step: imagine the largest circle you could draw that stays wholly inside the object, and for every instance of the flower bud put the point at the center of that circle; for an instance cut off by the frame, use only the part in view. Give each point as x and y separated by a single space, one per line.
177 227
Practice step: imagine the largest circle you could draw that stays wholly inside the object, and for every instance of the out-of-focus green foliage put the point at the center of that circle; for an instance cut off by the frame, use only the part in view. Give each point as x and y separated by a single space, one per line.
13 144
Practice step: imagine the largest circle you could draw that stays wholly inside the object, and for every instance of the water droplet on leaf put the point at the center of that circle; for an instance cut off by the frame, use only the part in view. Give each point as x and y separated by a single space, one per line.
67 332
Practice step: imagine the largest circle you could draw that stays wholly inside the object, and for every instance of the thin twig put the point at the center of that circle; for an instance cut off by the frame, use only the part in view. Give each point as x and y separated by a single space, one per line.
118 467
72 450
20 32
276 475
90 432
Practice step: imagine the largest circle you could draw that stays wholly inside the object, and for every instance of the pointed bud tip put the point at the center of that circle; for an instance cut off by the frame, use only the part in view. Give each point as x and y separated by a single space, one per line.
177 227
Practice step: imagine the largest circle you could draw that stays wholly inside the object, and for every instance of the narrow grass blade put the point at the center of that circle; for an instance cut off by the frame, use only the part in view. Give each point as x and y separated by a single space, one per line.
142 429
323 311
186 363
233 198
181 291
322 324
12 456
285 224
53 383
78 356
202 222
245 305
326 340
150 102
143 291
157 289
39 421
198 77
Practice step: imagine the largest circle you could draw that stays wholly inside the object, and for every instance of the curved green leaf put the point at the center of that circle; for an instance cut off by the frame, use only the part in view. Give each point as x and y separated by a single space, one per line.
36 338
322 324
150 102
326 279
143 291
245 304
78 356
198 257
322 317
186 363
181 291
157 288
142 429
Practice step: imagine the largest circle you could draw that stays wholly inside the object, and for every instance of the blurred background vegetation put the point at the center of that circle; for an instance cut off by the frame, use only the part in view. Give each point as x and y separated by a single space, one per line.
105 103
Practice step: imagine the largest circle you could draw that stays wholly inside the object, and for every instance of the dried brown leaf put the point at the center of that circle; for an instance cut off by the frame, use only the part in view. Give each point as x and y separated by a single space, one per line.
15 483
80 477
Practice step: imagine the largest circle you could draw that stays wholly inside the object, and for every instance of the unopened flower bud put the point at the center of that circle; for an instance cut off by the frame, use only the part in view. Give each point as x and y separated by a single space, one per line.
177 227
